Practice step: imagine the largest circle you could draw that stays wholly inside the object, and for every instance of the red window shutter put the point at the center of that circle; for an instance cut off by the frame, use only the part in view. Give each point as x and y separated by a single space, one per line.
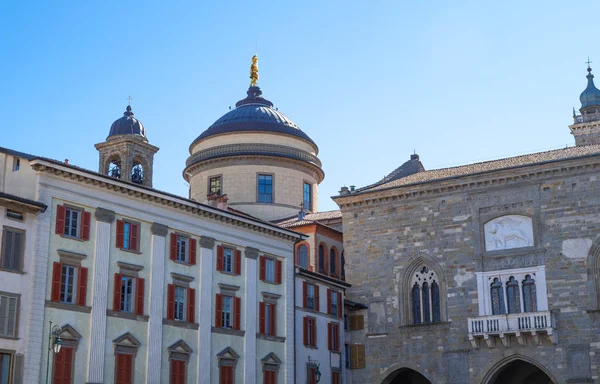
170 302
262 268
261 318
134 235
317 299
273 318
313 340
218 311
117 292
339 305
139 296
193 251
173 248
329 301
304 294
219 257
237 304
82 285
329 332
238 262
305 327
85 228
61 212
120 229
174 372
278 267
59 373
56 280
191 303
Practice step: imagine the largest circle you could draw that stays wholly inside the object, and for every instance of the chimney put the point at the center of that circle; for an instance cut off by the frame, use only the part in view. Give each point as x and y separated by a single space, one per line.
222 202
352 188
67 161
344 191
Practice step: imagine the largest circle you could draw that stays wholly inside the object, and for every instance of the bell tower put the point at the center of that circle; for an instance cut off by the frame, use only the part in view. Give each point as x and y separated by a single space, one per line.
586 126
126 153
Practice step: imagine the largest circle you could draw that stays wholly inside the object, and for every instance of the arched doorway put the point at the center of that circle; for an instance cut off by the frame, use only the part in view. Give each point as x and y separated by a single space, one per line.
405 376
520 372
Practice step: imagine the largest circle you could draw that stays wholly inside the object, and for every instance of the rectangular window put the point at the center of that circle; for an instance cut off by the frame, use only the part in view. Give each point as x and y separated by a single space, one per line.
6 368
334 337
310 300
265 188
270 270
334 303
9 308
182 246
11 255
214 185
16 164
226 374
177 371
127 297
67 286
268 319
63 366
124 368
357 356
227 311
72 222
269 377
307 193
228 260
310 331
180 303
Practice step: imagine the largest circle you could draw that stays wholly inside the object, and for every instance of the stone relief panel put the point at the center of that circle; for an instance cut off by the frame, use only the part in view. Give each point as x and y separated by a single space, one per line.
508 232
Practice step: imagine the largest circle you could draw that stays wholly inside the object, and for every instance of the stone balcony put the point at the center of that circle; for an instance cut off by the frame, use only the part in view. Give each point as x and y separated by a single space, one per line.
520 325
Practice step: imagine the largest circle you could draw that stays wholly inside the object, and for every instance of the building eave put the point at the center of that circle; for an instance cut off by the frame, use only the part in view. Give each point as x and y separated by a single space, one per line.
323 278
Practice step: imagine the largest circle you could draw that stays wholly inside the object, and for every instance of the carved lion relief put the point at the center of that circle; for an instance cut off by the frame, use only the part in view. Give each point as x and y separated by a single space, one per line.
507 232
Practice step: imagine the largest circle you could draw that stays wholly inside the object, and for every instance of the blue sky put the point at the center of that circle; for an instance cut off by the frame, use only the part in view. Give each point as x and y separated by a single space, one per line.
370 82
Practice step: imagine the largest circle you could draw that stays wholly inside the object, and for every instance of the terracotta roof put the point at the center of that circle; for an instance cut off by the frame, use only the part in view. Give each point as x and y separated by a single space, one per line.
488 166
309 218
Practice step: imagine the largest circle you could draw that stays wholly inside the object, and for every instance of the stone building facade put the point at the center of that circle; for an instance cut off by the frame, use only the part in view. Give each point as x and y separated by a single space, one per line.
484 273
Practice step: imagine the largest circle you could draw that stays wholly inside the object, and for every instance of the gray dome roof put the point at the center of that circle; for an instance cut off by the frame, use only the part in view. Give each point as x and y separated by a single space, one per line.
254 113
127 125
591 95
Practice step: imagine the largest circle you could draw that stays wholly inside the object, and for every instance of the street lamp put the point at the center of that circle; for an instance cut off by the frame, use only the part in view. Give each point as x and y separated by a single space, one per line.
54 345
317 373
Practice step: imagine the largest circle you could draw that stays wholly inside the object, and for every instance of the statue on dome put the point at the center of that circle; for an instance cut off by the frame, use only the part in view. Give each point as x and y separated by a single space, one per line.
254 71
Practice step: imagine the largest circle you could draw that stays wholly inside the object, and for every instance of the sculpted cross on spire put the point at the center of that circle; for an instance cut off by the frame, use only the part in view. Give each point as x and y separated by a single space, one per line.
254 71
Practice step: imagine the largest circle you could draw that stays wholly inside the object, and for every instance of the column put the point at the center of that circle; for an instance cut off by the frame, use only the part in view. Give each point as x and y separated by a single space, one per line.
104 218
251 317
205 313
157 302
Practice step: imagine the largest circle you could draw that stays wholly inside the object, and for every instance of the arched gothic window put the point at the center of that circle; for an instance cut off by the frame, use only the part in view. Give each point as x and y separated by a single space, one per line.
497 295
513 298
137 174
425 297
114 169
332 261
529 295
302 256
322 259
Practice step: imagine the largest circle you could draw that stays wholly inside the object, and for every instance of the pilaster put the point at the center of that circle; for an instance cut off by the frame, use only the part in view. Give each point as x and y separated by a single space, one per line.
205 307
156 310
104 219
289 360
250 306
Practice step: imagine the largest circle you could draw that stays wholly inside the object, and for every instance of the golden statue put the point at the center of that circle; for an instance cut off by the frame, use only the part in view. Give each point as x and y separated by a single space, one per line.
254 71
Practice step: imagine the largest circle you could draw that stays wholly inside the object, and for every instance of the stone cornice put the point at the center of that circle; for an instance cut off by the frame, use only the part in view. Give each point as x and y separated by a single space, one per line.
144 193
494 179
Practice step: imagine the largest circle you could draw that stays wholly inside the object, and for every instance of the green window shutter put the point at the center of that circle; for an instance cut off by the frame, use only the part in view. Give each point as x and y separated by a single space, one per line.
18 373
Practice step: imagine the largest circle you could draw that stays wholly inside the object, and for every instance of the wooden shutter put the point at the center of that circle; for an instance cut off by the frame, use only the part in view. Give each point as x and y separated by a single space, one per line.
192 251
173 247
305 328
191 305
262 268
63 366
139 296
171 302
85 227
238 262
278 267
329 301
357 356
273 320
220 256
335 377
313 341
120 230
177 372
329 333
18 371
82 285
61 212
218 311
339 305
317 298
336 337
134 235
59 374
237 304
261 318
117 292
304 294
357 322
56 280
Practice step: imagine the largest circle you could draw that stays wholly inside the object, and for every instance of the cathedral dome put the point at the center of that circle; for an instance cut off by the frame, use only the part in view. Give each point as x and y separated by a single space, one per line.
254 114
127 125
591 95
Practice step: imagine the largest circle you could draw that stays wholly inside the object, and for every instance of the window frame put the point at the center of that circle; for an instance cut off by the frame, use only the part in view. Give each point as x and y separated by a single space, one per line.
132 300
16 167
11 363
183 303
3 251
311 304
231 258
186 249
306 206
69 218
127 234
210 180
258 193
298 247
231 311
334 303
311 329
273 263
73 284
17 298
335 336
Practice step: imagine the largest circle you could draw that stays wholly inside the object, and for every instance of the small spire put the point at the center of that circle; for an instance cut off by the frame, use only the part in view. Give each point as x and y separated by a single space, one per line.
129 98
254 71
574 113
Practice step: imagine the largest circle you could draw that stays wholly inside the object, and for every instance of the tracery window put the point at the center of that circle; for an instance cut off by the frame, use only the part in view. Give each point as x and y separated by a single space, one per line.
512 295
497 297
425 297
529 295
514 291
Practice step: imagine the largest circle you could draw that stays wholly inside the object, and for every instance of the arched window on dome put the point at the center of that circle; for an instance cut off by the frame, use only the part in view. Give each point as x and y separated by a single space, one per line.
137 173
114 168
302 256
322 259
425 296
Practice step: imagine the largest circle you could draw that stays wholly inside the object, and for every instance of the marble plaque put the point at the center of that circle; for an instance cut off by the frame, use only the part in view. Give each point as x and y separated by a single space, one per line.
508 232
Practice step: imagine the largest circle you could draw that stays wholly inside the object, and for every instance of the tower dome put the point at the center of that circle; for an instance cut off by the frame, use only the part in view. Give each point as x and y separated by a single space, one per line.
265 164
590 97
127 125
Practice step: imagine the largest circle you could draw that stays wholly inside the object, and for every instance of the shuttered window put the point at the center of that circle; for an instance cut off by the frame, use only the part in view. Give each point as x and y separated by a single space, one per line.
226 375
335 377
269 377
12 249
9 308
124 368
357 356
128 235
177 371
357 322
63 366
